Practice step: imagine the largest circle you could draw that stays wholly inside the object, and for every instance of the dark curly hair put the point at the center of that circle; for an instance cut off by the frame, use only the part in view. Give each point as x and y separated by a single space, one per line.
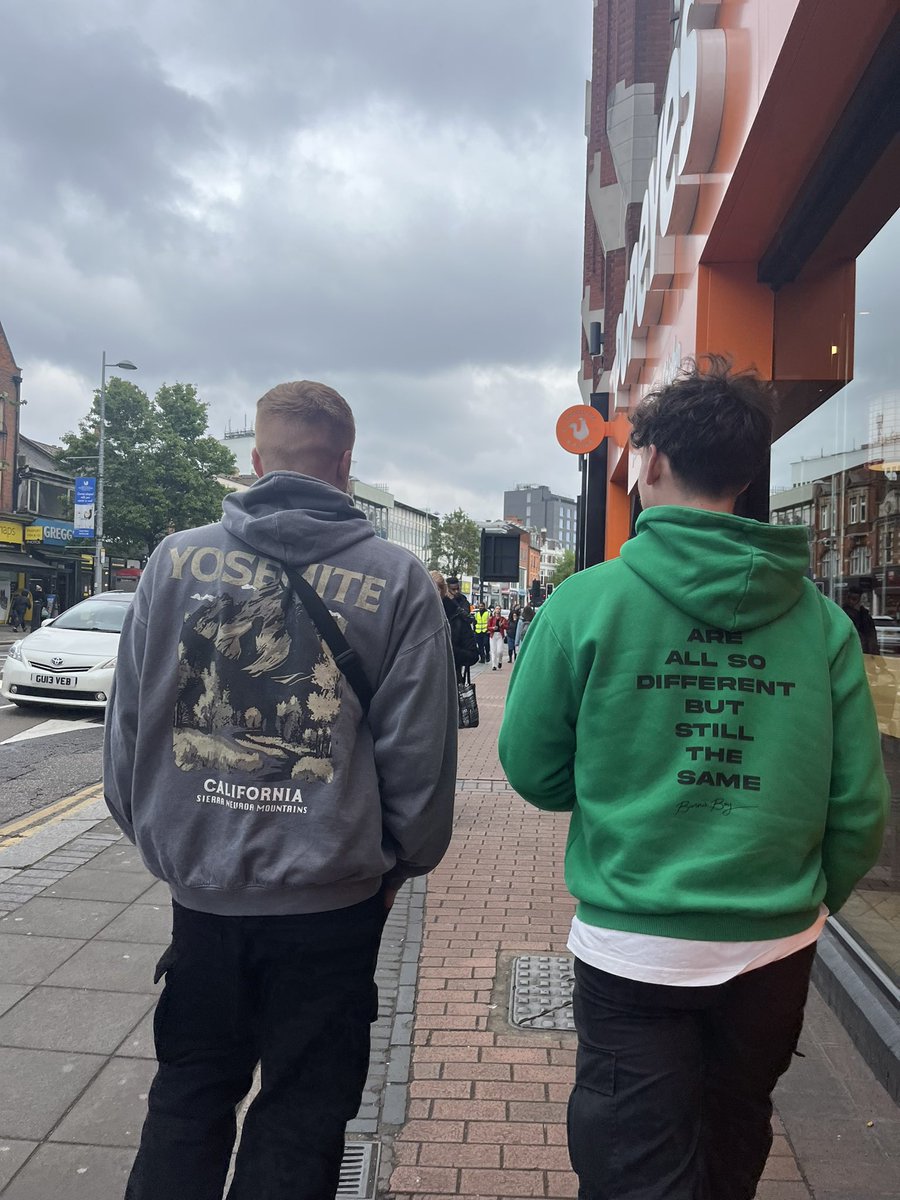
713 424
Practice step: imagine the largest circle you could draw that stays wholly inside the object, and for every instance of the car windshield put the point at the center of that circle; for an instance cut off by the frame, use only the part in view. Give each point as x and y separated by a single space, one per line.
97 616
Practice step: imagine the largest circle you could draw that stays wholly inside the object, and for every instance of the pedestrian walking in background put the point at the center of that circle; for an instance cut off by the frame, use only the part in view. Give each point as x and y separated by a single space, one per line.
462 639
511 630
525 619
497 626
704 866
283 798
862 620
482 637
19 607
456 595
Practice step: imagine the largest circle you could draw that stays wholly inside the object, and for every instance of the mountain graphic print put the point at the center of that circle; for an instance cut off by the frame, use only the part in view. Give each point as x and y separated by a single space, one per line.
258 690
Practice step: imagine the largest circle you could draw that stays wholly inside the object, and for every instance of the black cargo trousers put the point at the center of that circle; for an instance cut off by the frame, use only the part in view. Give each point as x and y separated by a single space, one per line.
294 994
672 1096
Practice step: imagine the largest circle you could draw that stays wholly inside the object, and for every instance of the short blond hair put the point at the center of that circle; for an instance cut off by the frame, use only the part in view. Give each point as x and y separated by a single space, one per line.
440 583
300 423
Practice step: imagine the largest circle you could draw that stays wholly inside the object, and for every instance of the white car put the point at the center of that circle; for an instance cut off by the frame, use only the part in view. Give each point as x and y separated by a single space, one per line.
888 631
71 659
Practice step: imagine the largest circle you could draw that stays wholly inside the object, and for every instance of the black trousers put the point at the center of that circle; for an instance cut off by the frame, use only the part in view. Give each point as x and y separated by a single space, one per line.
672 1096
295 994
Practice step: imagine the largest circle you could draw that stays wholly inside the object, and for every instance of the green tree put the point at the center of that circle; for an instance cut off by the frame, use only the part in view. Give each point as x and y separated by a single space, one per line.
564 568
160 463
455 545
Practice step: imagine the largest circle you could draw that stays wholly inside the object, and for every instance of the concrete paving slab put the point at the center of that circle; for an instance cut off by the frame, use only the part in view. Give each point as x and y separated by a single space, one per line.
96 812
53 1018
37 1087
11 994
60 1172
121 857
12 1154
111 1112
26 851
139 1043
140 923
110 966
32 959
158 894
61 917
86 883
108 825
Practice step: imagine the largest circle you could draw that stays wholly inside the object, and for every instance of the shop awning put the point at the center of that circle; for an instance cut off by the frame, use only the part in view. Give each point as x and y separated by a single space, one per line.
24 562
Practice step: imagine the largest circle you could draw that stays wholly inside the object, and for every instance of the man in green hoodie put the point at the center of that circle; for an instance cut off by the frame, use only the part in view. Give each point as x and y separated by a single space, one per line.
713 737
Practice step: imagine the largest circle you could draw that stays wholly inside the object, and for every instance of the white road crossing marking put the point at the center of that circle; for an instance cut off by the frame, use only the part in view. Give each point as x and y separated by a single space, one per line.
49 728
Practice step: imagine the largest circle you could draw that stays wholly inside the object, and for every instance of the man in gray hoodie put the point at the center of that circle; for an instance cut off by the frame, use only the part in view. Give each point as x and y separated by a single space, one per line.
284 817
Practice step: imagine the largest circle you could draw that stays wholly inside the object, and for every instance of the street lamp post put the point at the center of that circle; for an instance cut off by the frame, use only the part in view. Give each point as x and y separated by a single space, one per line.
125 365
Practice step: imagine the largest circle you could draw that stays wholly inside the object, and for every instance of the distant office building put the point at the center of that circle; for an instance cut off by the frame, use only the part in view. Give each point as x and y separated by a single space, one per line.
240 442
536 507
394 521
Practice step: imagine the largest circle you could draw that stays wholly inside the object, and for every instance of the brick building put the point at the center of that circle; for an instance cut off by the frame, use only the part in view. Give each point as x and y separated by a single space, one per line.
10 395
631 52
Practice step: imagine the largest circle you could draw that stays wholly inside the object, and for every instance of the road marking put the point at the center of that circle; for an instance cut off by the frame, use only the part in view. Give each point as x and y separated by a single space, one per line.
23 827
50 728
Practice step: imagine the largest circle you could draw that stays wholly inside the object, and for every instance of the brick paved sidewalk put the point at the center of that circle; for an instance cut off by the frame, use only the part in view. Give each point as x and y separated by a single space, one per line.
486 1117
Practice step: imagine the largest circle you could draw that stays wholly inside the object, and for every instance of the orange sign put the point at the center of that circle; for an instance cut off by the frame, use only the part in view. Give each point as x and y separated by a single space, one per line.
580 429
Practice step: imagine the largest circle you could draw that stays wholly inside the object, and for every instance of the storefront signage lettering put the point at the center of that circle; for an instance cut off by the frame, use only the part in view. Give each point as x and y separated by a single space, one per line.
11 531
687 136
51 533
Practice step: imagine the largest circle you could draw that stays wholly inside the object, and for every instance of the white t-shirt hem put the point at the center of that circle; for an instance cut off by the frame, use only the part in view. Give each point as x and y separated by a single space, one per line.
680 962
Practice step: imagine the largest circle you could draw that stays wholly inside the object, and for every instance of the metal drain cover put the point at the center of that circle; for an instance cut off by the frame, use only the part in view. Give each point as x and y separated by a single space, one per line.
359 1170
541 994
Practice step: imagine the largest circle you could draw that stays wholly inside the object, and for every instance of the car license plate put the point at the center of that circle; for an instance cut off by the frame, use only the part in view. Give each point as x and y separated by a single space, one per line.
64 681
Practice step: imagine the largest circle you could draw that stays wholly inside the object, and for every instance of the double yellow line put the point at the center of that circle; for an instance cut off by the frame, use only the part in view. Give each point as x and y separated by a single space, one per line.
15 831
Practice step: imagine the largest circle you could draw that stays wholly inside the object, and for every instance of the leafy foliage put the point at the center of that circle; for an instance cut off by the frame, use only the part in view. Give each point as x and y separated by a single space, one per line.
455 545
160 463
564 568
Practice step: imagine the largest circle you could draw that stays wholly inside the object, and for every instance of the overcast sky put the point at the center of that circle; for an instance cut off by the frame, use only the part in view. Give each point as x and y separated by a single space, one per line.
383 194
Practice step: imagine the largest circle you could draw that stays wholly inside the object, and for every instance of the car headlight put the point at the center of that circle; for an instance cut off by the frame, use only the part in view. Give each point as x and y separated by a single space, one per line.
15 652
110 662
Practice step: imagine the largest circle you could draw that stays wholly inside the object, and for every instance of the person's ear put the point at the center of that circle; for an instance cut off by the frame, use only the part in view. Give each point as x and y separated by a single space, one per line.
257 463
652 465
343 470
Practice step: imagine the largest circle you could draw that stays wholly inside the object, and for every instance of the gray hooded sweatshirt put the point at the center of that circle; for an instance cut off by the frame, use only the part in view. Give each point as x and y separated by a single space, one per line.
237 757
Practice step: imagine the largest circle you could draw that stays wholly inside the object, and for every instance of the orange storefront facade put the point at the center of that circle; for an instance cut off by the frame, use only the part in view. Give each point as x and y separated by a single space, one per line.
742 193
767 181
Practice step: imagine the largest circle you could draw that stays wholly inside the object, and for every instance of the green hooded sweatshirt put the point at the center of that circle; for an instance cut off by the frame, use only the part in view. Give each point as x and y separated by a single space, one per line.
704 714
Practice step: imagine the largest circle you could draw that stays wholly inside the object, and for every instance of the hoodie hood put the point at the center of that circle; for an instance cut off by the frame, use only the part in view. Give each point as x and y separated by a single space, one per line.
730 571
295 518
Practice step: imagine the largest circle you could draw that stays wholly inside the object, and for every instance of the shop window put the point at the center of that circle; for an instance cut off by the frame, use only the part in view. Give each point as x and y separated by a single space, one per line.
858 430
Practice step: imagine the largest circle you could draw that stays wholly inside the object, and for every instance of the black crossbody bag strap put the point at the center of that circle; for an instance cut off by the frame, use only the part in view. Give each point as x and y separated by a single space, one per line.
343 653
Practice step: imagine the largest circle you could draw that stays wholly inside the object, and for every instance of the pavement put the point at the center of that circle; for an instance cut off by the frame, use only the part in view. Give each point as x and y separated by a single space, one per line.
459 1101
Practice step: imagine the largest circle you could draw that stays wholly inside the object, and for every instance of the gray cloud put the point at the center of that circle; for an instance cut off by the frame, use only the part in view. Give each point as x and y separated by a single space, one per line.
381 193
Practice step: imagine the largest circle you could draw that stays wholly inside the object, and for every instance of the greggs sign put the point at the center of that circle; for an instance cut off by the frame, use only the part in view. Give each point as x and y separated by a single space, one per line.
688 134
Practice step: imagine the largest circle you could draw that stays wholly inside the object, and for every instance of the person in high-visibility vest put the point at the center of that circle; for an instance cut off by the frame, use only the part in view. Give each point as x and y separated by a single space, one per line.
482 616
